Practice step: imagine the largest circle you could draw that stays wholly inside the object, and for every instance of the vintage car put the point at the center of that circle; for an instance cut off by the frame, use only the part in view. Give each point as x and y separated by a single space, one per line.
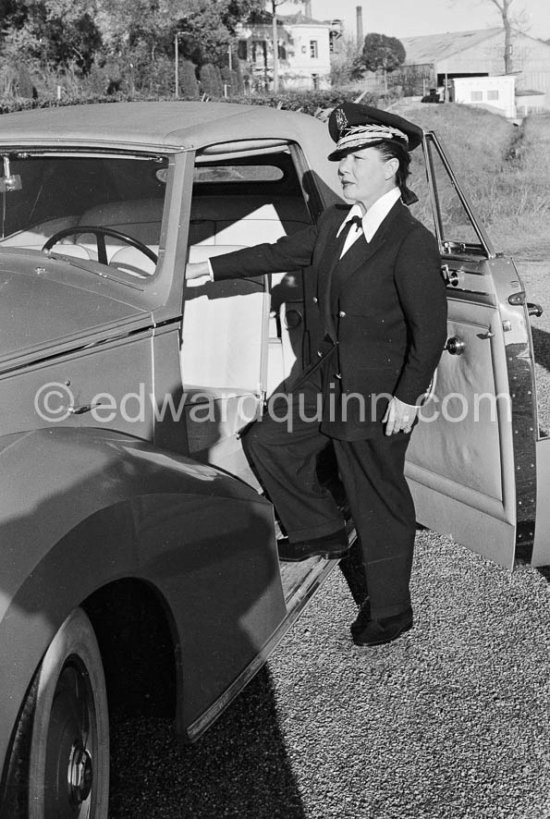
138 555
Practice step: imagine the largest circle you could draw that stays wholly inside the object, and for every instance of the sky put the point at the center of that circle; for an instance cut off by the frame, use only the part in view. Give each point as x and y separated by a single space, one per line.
408 18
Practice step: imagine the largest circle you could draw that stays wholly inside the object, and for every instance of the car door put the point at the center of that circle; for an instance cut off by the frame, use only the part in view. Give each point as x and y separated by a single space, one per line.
472 460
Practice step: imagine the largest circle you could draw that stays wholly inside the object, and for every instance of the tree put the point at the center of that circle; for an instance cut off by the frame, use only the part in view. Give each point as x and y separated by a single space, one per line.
509 21
134 38
347 64
382 53
70 34
59 32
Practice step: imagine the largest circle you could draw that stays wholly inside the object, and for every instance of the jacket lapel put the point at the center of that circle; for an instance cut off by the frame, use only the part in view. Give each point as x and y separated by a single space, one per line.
332 257
362 251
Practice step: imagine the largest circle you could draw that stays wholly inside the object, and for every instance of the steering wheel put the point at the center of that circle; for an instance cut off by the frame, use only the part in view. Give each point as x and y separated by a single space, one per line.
100 233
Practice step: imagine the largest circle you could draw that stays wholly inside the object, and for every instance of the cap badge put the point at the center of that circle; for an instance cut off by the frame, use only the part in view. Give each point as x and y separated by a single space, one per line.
341 120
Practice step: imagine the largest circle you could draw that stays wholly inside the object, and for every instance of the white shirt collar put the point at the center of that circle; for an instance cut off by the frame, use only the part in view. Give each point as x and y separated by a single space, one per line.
375 215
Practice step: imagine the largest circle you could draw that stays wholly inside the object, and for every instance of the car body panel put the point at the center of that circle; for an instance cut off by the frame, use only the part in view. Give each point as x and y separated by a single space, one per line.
52 303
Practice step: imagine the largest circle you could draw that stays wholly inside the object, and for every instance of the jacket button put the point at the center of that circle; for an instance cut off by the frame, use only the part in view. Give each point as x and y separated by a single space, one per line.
315 300
342 313
319 353
338 375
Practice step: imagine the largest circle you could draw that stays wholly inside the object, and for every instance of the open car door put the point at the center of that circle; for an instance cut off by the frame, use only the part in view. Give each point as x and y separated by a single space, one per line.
472 460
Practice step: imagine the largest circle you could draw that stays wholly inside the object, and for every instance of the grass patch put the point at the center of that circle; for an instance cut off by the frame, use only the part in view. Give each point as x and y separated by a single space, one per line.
503 169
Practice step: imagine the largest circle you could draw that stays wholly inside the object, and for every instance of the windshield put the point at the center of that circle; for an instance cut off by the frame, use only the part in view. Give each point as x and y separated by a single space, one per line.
103 208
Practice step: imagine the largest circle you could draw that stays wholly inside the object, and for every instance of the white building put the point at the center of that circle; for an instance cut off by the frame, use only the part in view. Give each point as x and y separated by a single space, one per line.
496 94
309 65
303 52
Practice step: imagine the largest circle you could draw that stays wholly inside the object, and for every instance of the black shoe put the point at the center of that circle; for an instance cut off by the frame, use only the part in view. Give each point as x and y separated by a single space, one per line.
384 630
363 617
330 546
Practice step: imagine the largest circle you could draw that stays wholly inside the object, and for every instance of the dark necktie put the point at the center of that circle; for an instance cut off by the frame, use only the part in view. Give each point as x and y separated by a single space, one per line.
354 221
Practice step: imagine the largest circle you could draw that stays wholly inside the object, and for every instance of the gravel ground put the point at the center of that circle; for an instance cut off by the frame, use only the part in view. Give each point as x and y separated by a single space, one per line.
448 722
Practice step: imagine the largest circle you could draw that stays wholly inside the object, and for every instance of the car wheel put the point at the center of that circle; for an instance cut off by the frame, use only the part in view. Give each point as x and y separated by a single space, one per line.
62 740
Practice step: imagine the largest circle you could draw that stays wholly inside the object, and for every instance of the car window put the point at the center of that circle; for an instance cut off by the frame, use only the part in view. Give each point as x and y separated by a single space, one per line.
238 173
456 223
51 197
442 206
418 183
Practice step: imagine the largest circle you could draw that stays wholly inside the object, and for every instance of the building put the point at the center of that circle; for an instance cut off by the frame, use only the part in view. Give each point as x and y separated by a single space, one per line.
436 59
494 93
304 49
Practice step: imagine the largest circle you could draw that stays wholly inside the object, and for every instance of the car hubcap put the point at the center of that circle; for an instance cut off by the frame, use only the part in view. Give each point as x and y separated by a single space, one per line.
80 774
71 745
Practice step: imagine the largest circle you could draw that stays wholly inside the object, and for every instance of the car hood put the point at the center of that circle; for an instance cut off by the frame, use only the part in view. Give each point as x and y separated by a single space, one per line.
47 304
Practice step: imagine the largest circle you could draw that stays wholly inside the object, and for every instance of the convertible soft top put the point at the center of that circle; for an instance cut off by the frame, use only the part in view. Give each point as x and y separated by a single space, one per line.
169 124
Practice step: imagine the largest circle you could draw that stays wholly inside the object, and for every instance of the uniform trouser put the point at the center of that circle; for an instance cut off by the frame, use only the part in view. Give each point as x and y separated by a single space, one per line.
283 448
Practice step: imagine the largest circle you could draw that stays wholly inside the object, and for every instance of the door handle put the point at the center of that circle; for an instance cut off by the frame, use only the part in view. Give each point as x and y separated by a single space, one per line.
455 345
83 408
534 309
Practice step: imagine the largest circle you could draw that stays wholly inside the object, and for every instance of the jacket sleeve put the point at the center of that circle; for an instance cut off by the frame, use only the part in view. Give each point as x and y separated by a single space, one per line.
288 254
421 291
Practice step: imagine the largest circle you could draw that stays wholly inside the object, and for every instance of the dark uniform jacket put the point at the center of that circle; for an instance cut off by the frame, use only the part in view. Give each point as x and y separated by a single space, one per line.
382 306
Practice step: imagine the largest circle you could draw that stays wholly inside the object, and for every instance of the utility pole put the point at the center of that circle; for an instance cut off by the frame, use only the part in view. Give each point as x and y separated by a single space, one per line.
176 65
275 53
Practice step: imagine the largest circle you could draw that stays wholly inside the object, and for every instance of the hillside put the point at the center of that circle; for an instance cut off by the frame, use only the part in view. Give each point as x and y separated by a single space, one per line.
503 168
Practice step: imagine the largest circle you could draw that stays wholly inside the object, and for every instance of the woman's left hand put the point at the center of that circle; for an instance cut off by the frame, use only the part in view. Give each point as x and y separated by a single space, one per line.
399 416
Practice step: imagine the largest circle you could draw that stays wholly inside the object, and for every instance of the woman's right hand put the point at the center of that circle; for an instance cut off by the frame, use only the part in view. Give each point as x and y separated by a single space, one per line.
197 269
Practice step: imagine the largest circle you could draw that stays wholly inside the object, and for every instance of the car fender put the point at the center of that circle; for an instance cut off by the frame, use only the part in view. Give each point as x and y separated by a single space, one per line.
53 479
82 508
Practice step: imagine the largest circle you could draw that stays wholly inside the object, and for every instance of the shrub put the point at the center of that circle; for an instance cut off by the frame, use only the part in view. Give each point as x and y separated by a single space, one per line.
309 102
189 86
211 80
237 80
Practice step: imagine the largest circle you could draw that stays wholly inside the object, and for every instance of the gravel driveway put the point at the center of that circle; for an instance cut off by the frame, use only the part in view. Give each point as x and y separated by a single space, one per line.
450 721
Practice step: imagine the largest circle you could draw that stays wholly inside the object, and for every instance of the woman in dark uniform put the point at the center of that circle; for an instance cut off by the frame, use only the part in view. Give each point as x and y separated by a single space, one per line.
382 302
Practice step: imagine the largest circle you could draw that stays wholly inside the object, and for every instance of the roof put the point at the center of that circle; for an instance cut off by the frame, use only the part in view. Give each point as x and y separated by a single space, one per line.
177 124
265 31
300 19
430 48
